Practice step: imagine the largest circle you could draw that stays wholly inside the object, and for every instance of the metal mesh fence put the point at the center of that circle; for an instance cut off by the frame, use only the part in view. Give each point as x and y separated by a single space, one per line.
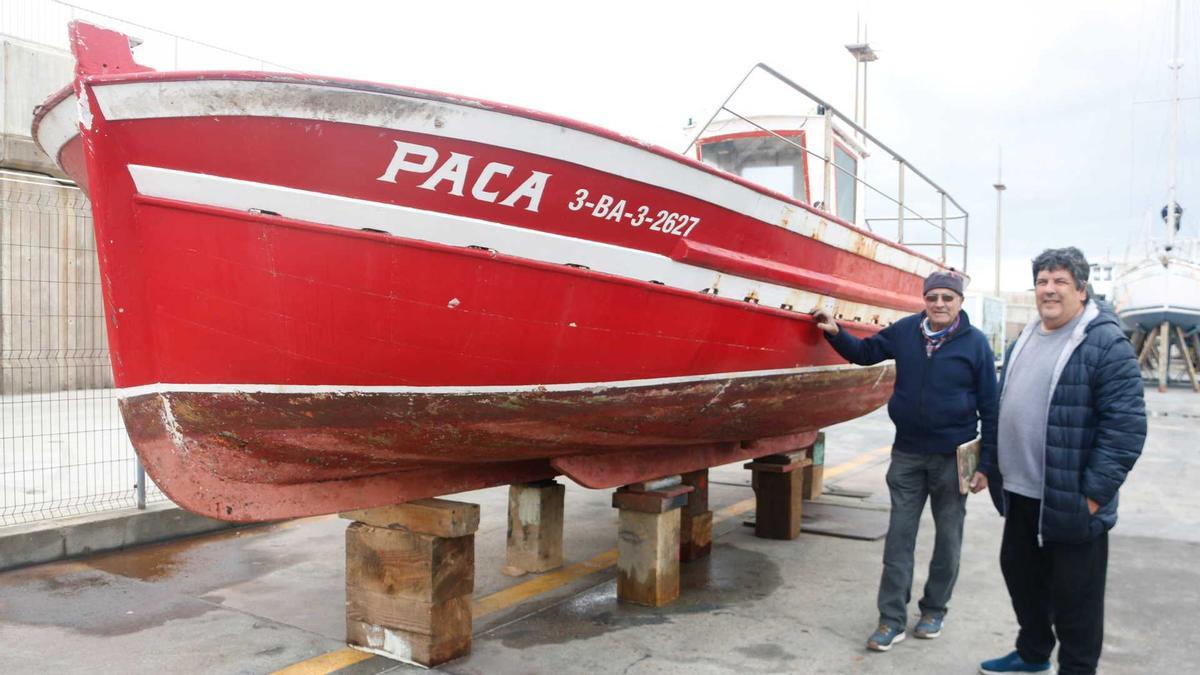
63 446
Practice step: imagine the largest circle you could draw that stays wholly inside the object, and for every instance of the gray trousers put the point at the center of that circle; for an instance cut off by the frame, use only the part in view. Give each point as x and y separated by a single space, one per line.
910 479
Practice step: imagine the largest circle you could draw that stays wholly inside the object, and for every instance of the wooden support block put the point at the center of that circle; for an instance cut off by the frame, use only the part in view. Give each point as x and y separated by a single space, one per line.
404 564
535 527
659 501
408 588
442 634
648 557
698 498
439 517
695 525
814 473
778 503
695 535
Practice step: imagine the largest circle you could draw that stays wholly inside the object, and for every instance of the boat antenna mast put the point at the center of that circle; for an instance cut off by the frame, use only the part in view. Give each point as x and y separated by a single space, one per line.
1172 211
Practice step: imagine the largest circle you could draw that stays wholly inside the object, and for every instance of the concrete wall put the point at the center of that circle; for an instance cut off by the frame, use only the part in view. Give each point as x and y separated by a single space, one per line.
29 73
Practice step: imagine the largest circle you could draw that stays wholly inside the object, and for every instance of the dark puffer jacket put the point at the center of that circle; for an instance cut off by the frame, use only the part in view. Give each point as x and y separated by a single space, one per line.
1095 428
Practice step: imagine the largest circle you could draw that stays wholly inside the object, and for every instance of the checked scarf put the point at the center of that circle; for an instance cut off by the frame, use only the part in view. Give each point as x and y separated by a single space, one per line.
934 339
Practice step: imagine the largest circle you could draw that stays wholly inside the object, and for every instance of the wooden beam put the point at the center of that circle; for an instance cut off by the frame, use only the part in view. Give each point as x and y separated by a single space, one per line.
535 527
814 473
410 574
778 482
695 525
648 557
439 517
1187 358
648 542
1148 346
1164 354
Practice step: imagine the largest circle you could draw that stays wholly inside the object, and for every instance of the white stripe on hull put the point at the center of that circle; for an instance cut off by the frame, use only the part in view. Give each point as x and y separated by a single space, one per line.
452 230
465 121
166 388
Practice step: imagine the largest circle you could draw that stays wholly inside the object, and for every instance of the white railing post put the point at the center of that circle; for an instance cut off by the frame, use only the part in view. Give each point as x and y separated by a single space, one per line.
828 192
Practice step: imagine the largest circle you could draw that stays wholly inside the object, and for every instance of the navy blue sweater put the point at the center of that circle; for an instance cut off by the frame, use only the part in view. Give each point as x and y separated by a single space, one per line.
938 400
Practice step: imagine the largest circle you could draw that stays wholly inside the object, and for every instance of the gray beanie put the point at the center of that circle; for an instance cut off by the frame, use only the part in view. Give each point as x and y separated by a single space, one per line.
944 279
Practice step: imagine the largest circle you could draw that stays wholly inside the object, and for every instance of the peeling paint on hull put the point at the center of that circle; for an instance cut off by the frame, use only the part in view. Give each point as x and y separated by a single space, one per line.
265 456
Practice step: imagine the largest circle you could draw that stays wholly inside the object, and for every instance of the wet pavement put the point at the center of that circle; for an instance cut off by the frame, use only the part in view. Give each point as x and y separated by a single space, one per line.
263 598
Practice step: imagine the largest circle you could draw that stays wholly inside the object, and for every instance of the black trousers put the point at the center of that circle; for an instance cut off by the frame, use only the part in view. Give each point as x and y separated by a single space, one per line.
1056 589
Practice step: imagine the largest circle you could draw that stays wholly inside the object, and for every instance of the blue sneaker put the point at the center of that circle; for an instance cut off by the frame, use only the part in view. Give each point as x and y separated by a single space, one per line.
1013 663
928 627
884 637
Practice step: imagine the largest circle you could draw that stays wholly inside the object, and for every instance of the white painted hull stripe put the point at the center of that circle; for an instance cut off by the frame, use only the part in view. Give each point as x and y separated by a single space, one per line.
451 230
169 388
58 126
207 98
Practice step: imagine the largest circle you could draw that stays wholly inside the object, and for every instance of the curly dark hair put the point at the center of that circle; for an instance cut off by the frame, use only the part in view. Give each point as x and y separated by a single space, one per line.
1070 259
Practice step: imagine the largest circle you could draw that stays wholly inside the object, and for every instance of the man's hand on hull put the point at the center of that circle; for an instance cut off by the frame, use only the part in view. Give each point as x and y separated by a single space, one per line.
825 321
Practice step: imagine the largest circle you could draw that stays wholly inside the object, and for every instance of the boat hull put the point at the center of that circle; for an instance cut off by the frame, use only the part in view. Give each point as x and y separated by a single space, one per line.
1151 293
258 455
323 295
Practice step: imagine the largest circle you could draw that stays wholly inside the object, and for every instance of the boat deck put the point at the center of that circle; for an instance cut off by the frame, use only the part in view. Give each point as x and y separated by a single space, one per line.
265 598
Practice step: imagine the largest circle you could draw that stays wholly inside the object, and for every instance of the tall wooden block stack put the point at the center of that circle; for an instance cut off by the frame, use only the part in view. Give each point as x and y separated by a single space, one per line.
696 520
648 541
535 527
778 482
410 573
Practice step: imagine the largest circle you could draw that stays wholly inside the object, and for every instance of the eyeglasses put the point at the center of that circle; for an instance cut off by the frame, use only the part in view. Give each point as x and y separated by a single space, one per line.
945 297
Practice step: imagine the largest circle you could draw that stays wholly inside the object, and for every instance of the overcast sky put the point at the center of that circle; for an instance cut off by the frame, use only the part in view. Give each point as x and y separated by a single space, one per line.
1061 86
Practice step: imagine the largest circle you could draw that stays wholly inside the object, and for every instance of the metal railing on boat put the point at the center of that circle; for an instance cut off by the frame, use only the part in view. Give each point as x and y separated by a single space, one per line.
904 212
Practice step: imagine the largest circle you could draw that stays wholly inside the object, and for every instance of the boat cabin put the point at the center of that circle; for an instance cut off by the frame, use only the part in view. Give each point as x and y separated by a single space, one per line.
785 153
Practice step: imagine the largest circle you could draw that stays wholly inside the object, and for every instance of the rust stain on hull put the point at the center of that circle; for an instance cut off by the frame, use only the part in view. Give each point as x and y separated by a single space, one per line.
258 456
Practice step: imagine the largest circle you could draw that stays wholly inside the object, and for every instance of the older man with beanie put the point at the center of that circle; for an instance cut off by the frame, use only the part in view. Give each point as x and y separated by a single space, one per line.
1072 424
945 384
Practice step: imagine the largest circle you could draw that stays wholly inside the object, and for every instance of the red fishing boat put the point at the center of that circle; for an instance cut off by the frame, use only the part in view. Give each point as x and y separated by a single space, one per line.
324 294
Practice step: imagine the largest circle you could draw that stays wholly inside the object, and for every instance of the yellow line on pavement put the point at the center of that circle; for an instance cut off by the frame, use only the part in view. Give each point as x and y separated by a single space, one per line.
549 581
326 663
542 583
858 461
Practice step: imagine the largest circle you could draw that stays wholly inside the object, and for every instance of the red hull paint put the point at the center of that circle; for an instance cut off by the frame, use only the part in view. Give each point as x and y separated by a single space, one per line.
208 305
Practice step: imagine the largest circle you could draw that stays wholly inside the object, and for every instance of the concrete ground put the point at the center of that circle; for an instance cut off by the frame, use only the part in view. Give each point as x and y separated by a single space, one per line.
260 599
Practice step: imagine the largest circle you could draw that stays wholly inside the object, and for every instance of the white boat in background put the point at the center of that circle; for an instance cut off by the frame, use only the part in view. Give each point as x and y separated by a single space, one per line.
1162 285
1159 287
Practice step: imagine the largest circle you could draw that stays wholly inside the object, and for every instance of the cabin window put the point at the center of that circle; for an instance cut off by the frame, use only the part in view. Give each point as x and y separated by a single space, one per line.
847 169
764 160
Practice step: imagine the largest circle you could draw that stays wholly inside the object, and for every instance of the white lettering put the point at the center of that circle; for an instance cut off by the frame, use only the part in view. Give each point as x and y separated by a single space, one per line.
479 191
617 213
532 189
602 205
454 170
400 160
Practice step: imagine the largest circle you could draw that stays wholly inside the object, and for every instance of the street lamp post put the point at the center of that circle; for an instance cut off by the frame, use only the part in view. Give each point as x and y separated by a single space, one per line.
1000 188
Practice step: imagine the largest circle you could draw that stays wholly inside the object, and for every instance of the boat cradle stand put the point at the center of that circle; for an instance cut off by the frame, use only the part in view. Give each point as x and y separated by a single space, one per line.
1156 347
410 575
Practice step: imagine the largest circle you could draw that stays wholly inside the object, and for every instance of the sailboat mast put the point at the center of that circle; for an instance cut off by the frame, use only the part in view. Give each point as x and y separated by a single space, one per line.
1176 65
